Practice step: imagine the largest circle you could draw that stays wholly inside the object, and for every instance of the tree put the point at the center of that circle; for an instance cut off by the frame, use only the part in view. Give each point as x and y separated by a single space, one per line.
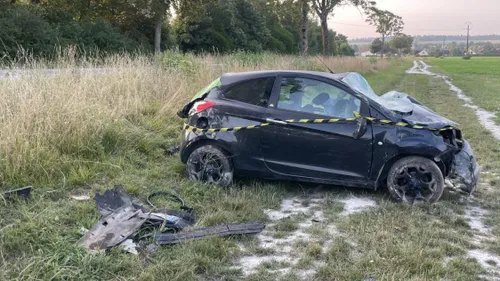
401 42
488 48
355 48
324 8
160 8
386 22
225 25
376 46
305 22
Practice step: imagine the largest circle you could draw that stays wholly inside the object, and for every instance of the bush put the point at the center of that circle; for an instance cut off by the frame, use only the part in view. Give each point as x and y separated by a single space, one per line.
38 31
24 26
179 61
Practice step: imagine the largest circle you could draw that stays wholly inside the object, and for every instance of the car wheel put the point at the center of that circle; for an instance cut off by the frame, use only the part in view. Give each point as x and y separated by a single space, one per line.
209 164
415 180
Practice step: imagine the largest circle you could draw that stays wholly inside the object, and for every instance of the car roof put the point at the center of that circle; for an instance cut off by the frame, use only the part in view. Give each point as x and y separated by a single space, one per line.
230 78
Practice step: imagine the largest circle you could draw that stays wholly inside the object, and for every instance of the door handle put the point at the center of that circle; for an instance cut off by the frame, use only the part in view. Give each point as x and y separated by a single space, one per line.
270 120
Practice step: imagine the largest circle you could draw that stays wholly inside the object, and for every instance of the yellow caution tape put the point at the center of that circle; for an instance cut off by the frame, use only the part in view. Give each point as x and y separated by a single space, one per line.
320 121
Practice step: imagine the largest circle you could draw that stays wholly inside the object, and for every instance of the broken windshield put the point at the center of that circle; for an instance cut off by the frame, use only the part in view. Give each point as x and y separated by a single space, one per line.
394 101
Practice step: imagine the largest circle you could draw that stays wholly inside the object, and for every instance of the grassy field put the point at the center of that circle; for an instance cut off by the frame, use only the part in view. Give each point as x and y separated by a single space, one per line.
478 77
81 134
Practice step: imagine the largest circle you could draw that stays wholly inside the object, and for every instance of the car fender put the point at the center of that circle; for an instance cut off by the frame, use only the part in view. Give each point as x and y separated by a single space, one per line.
394 144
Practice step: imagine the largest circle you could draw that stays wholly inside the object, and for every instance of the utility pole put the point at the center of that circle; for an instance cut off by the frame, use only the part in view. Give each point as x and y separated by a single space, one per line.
442 47
468 28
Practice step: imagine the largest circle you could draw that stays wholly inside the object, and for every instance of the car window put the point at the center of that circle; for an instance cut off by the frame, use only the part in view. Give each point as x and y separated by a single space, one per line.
256 91
313 96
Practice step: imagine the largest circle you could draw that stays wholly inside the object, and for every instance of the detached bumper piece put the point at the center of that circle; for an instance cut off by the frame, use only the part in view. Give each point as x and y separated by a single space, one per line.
124 218
221 230
465 173
23 192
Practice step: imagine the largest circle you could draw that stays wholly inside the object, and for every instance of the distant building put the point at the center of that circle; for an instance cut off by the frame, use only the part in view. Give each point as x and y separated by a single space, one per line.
367 54
423 53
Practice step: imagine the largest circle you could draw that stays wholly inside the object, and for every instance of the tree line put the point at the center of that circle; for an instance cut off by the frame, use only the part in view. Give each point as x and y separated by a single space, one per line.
282 26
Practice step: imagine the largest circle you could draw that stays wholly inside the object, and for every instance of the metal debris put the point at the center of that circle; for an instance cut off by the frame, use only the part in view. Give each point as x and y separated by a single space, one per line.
112 199
23 192
124 217
113 229
173 150
221 230
129 246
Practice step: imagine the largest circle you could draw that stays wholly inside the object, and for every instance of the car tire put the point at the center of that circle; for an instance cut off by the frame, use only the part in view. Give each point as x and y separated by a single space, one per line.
415 179
209 164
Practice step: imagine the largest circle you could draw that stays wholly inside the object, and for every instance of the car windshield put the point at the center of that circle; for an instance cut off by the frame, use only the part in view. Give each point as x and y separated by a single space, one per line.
359 83
394 101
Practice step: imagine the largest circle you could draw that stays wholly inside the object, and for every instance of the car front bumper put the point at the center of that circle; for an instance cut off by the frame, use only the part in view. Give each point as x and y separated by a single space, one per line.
465 170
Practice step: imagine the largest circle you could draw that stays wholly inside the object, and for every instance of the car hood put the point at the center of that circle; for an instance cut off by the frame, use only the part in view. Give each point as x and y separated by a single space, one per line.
412 111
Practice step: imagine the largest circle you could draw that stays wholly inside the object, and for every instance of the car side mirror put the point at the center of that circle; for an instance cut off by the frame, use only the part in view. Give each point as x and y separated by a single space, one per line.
360 128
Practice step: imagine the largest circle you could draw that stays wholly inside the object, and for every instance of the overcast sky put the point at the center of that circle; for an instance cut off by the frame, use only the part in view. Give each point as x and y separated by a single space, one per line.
425 17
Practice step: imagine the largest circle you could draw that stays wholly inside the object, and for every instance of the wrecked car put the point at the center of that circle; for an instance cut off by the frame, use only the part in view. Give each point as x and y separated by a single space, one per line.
324 128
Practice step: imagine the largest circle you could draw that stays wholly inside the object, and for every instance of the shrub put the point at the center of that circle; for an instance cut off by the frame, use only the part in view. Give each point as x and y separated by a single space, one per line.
24 26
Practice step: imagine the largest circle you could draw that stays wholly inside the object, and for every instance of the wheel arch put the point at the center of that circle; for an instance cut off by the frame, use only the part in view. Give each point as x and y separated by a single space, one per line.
202 142
382 176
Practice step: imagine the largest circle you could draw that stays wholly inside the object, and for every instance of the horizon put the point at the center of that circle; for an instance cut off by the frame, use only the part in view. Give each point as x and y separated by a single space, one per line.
423 35
428 17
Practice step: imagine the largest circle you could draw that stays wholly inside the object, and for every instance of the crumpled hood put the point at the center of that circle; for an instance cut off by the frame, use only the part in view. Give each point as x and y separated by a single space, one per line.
414 112
422 115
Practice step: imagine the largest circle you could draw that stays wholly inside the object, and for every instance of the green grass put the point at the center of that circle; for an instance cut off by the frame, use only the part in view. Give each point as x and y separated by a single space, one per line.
476 65
391 242
478 77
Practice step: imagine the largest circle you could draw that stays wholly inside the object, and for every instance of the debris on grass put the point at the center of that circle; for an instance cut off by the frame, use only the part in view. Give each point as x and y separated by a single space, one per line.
129 246
124 217
113 229
173 150
221 231
23 192
80 197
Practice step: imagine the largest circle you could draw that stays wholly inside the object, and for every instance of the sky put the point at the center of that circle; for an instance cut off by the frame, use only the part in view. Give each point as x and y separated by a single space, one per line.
424 17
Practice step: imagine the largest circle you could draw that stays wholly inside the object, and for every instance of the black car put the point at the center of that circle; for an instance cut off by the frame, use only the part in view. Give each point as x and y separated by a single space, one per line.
325 128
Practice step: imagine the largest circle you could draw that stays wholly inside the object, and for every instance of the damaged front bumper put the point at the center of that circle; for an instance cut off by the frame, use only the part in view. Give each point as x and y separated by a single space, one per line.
465 170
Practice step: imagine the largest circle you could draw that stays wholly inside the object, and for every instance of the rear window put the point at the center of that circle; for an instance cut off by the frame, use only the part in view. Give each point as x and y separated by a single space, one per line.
256 91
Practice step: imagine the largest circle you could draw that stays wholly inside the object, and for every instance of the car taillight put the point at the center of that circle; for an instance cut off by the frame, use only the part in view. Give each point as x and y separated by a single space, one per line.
200 106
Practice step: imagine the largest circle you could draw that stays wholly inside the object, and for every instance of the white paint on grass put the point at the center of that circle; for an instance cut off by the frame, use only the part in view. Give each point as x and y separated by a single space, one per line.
356 204
489 261
475 216
289 207
485 259
486 118
284 251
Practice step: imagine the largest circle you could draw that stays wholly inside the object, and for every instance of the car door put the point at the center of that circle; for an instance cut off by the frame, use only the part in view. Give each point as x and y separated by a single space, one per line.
310 150
243 104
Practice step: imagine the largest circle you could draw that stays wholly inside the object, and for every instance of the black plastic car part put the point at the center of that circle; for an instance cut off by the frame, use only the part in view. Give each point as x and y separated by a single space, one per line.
221 230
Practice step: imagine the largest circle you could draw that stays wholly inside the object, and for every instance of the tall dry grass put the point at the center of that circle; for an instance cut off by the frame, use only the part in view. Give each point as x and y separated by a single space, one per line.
56 129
